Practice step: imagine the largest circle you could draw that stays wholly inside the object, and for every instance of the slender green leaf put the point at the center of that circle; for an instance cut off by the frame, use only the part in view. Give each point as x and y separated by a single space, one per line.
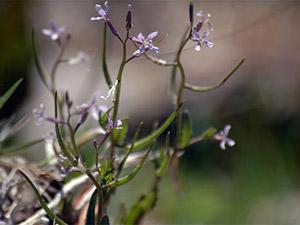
140 208
103 119
38 64
213 87
8 94
20 148
104 63
44 205
120 133
90 215
136 134
186 131
209 133
130 176
164 159
155 134
59 137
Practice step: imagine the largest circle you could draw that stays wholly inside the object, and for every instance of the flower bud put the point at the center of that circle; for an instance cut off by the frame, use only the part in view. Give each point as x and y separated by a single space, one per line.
112 28
128 18
191 12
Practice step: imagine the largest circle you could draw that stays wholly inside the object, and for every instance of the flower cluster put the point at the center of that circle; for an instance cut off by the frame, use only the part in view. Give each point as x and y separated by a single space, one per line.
201 31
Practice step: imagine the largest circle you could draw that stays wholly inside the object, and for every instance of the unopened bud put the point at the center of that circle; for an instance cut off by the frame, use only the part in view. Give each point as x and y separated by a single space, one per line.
128 18
191 12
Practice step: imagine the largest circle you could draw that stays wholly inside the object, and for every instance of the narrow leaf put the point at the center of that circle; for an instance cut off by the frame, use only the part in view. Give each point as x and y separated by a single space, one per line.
8 94
59 137
104 62
19 148
164 159
155 134
130 176
140 208
103 119
136 134
44 205
186 132
39 67
90 216
209 133
213 87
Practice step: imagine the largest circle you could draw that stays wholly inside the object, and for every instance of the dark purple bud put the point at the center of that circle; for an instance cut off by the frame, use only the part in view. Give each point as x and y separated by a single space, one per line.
191 11
82 119
199 26
111 27
68 101
128 18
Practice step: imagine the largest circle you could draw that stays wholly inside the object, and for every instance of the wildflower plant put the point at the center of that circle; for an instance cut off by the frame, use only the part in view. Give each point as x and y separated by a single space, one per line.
114 150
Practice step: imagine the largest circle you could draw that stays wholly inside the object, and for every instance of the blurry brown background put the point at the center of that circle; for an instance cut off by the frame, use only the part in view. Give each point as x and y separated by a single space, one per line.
256 182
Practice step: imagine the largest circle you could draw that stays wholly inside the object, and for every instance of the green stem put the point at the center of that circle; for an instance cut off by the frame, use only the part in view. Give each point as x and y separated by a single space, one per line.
55 66
117 99
181 85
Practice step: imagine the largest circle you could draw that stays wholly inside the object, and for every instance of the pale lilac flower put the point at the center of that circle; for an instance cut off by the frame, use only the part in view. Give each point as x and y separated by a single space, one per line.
145 43
199 36
85 109
201 39
222 136
97 110
114 125
111 92
38 113
54 31
80 57
103 12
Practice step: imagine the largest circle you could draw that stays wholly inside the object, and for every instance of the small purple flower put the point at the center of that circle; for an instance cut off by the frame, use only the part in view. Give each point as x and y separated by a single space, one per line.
114 125
201 38
145 43
54 32
85 109
103 12
222 136
38 113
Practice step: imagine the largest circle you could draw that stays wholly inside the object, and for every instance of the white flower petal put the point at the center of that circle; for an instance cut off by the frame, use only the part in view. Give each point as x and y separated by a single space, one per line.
47 32
230 142
226 130
96 18
152 35
222 145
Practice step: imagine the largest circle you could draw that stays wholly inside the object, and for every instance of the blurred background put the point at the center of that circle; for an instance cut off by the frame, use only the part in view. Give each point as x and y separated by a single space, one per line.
256 181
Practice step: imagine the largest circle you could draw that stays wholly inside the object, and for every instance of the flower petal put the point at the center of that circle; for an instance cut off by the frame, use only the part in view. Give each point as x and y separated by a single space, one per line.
154 49
152 35
230 142
96 18
222 145
47 32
